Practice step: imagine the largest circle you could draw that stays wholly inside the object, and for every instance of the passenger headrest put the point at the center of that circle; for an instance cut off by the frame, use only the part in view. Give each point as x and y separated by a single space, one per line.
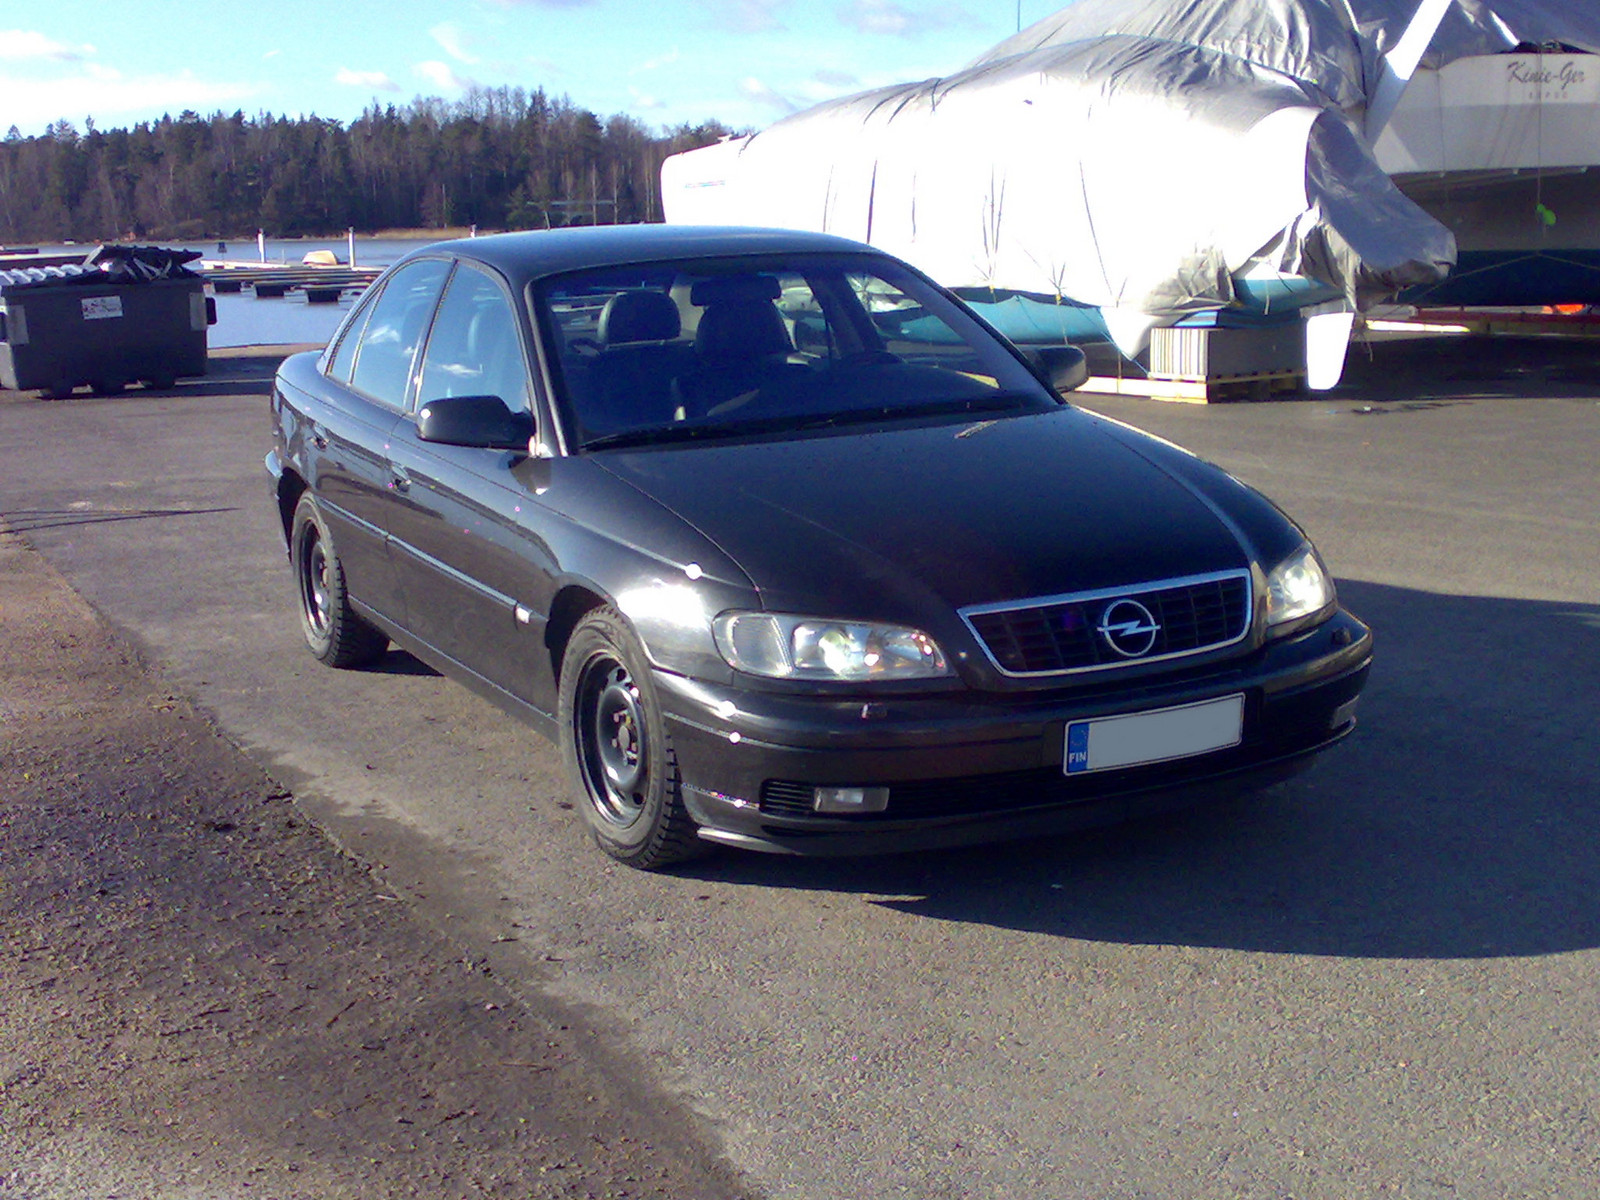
740 331
638 317
734 289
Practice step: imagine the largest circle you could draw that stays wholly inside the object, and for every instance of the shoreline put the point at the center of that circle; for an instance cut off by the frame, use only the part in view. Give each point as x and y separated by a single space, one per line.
445 234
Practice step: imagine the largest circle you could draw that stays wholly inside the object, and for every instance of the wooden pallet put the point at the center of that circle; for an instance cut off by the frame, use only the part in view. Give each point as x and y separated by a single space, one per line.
1192 390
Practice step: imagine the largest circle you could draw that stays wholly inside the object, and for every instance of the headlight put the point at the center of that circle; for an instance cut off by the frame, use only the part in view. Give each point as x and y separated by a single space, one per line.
789 647
1297 588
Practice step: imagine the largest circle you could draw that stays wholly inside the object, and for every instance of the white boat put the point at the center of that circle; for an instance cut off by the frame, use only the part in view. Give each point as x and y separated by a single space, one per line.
1504 150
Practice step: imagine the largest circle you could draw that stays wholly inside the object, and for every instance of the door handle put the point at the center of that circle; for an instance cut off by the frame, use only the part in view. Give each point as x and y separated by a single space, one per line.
399 480
319 436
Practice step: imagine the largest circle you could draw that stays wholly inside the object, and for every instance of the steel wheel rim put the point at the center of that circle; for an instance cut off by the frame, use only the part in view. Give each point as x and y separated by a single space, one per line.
314 581
612 742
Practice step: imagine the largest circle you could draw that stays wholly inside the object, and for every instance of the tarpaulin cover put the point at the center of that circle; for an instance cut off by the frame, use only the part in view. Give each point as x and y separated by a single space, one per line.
1135 155
1335 45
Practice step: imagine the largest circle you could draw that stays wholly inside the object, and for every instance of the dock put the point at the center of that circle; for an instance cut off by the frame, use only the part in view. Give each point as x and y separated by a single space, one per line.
321 284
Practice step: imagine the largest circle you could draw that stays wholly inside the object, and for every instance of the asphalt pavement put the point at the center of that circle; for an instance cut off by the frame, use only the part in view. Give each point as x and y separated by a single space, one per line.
1381 979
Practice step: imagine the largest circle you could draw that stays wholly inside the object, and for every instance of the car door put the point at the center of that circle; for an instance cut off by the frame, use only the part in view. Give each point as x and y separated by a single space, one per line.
473 560
366 390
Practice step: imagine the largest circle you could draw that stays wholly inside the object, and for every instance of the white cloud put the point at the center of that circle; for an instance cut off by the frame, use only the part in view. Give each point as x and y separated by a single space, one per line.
747 16
877 16
754 89
20 45
816 90
113 98
644 100
450 41
890 19
659 61
442 76
372 80
837 79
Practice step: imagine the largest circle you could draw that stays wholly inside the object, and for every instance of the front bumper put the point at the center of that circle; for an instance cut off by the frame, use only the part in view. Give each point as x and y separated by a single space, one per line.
962 768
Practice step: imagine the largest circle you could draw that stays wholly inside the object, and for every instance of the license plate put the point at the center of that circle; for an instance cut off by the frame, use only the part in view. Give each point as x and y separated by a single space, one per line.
1160 735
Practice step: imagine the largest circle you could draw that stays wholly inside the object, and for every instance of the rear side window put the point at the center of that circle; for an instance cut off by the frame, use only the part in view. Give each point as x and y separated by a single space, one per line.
474 349
344 356
387 349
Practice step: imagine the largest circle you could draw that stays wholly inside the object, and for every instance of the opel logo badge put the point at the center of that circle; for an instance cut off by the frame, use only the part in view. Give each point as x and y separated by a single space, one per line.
1129 628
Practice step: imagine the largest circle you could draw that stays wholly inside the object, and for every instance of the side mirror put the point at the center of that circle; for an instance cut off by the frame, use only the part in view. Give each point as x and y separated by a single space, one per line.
1062 367
484 422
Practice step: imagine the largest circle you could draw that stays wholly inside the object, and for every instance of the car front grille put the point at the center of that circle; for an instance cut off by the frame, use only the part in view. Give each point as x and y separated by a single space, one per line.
1063 634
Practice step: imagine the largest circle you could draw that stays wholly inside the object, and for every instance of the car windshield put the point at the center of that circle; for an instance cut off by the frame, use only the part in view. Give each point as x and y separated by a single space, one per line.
720 347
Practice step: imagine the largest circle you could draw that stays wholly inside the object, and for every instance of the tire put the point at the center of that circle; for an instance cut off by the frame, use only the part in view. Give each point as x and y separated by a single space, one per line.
336 634
615 748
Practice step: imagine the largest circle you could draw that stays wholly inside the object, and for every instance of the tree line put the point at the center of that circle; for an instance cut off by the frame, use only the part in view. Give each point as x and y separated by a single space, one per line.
499 158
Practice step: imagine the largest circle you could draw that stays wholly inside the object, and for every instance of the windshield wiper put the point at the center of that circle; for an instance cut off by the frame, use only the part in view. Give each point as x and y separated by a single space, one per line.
796 422
638 437
994 402
686 431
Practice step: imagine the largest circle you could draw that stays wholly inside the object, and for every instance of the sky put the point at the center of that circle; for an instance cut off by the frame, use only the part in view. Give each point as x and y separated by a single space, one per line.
664 62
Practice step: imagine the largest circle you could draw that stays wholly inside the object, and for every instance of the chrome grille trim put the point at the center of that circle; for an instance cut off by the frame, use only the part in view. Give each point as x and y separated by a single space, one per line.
1039 610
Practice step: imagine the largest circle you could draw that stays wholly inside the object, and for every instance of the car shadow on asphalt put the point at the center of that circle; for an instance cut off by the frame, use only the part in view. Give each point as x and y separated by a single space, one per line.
210 387
399 662
1461 820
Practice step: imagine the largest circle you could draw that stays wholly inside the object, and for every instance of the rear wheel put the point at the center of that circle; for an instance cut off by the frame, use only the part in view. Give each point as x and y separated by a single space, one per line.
615 748
335 632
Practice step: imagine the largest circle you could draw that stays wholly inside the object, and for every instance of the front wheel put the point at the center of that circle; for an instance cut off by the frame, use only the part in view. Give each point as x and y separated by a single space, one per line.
615 748
334 631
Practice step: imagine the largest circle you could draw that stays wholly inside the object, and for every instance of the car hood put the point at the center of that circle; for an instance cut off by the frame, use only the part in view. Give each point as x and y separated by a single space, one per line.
884 523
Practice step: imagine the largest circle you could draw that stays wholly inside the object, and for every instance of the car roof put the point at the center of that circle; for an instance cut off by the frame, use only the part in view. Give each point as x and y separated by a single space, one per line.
522 257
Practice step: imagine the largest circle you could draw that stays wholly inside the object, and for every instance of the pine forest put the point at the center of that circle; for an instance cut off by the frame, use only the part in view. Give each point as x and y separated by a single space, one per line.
501 158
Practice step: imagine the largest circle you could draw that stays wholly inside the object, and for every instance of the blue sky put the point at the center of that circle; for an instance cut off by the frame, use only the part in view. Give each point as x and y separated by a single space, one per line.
744 62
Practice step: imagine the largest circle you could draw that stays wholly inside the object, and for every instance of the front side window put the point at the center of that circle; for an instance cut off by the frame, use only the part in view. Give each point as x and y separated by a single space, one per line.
721 347
387 350
474 349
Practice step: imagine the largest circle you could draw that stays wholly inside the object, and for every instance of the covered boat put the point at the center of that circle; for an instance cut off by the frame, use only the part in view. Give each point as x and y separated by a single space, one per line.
1125 164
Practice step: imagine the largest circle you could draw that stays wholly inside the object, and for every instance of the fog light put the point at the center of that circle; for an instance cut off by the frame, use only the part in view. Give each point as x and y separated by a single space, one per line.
849 799
1343 715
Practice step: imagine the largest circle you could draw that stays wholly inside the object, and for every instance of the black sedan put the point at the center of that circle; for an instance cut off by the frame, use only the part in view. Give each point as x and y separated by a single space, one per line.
788 550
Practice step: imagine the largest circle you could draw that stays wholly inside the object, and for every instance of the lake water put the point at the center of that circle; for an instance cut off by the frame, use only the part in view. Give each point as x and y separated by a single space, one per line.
243 320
